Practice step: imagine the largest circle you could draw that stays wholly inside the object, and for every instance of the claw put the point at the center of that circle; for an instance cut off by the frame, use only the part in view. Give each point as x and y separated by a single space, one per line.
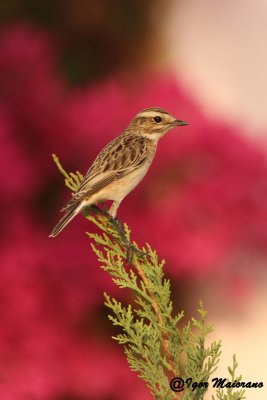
131 249
129 254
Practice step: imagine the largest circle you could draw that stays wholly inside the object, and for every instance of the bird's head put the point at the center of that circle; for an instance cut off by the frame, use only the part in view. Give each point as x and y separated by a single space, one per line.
153 123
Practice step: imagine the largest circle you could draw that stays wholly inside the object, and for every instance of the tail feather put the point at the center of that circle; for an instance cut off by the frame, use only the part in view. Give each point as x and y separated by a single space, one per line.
70 214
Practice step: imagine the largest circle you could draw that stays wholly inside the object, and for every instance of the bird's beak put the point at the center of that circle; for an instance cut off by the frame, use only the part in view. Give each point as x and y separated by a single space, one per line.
177 122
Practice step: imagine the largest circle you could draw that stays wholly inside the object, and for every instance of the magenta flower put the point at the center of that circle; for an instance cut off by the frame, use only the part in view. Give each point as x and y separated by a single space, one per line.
202 205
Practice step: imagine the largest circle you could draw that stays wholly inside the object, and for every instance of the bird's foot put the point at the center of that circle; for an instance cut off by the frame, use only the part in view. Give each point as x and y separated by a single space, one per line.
130 248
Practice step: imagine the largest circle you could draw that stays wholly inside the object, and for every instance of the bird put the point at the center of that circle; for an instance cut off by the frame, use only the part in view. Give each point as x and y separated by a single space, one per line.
121 165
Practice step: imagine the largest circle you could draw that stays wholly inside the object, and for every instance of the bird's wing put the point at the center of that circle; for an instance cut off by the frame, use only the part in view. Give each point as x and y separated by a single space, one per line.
118 159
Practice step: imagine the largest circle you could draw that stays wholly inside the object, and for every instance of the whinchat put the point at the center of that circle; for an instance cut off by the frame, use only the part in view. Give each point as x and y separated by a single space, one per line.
121 165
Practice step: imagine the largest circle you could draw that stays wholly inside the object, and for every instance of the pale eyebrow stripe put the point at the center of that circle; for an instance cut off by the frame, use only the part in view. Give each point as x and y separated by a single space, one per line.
149 114
154 109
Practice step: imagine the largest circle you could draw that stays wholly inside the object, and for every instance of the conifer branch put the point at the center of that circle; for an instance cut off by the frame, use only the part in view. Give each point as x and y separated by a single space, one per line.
154 344
155 305
231 392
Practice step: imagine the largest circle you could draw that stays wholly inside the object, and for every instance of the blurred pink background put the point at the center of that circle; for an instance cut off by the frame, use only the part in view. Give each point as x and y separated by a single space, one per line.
71 78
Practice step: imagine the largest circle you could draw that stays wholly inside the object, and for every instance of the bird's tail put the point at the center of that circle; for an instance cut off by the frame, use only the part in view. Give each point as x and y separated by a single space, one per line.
70 214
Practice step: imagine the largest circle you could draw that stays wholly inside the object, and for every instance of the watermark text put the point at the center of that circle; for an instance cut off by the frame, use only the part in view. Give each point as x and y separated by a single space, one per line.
178 384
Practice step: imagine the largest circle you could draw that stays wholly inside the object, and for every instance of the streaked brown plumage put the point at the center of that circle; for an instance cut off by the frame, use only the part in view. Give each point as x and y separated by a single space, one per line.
121 165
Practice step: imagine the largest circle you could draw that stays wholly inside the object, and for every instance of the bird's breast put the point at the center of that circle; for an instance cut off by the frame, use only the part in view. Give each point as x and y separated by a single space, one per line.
118 189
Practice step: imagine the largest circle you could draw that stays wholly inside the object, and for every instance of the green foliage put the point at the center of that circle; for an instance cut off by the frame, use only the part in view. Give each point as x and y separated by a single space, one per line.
156 345
72 181
231 393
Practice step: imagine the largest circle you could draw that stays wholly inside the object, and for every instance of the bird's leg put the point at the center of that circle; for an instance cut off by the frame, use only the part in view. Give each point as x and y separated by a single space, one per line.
105 208
111 215
129 246
118 226
114 208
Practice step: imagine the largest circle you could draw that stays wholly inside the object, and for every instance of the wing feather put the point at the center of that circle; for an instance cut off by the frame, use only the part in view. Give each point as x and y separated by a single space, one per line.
118 159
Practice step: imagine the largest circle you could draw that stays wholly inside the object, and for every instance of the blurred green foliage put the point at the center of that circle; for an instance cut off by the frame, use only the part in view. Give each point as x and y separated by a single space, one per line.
94 37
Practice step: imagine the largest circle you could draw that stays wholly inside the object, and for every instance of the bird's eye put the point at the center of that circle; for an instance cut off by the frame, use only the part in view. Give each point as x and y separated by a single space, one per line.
157 120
